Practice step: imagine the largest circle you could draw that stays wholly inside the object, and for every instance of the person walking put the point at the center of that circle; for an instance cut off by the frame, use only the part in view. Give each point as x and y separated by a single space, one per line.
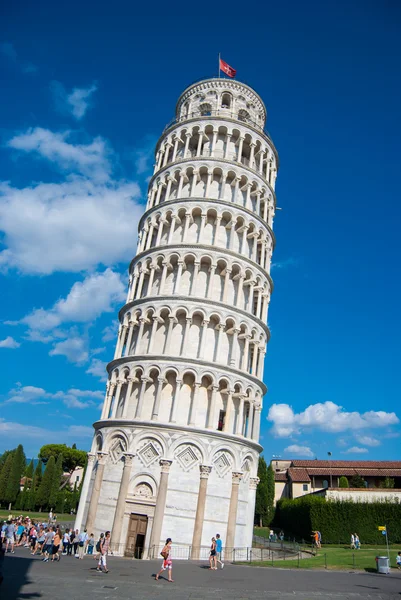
104 548
398 560
212 557
167 562
352 541
98 546
56 545
71 542
48 545
76 543
91 544
82 539
39 541
66 541
10 536
219 550
357 542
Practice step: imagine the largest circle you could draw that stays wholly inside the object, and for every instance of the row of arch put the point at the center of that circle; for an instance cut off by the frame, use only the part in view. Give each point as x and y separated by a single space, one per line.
236 103
195 334
214 140
187 273
207 226
109 440
183 397
212 182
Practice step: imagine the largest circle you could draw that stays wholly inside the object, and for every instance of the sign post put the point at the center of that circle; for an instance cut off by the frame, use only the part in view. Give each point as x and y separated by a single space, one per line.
383 529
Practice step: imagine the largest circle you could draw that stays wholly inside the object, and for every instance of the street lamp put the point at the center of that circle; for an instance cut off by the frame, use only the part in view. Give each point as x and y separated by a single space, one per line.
331 477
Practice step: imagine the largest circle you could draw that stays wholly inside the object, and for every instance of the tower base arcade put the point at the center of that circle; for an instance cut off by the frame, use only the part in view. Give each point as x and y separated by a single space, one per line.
145 485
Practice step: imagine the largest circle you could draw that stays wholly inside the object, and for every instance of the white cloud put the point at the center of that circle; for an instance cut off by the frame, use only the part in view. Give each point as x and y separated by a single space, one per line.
299 450
80 431
326 416
367 440
145 156
97 368
76 102
356 450
73 398
75 349
88 159
285 263
110 332
9 342
71 226
86 301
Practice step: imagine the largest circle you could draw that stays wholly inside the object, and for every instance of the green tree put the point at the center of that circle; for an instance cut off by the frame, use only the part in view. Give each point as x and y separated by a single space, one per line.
4 457
54 491
5 476
45 487
344 482
387 483
17 471
30 469
37 478
262 494
357 481
72 458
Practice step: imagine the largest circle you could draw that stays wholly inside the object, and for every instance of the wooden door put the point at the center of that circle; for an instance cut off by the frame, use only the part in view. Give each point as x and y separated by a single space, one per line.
136 535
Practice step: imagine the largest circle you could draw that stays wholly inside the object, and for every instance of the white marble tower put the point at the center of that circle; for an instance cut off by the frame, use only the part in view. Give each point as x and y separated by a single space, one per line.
176 449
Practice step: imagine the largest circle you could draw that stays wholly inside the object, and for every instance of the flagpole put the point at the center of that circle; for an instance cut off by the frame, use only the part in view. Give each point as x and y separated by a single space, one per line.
219 65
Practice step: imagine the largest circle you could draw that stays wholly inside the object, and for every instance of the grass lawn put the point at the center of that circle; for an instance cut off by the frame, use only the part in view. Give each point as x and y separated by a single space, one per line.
336 557
43 516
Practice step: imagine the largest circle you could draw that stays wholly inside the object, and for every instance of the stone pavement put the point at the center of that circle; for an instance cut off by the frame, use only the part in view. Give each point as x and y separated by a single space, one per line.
27 577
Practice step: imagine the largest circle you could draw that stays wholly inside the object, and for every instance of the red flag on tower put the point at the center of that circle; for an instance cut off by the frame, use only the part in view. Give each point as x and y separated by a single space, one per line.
227 69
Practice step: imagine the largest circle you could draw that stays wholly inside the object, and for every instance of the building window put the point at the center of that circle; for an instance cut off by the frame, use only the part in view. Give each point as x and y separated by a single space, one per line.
205 109
305 487
222 416
325 484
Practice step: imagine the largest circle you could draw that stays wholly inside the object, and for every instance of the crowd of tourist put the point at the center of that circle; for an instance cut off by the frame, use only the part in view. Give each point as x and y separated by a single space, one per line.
50 542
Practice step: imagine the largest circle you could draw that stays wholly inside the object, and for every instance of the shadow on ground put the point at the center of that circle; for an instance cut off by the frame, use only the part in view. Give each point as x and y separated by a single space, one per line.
16 576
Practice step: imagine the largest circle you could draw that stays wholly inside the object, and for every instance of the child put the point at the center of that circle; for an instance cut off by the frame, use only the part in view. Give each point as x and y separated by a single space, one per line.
398 559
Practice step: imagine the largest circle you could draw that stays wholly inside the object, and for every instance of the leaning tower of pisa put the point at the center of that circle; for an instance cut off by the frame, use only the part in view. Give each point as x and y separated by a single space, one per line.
175 451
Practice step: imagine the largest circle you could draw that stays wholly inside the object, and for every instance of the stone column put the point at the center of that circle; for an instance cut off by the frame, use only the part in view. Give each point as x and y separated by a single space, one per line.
240 420
200 511
120 383
129 338
171 230
176 399
252 155
256 423
84 491
188 136
232 515
91 518
178 280
226 281
138 412
120 508
227 420
253 484
245 356
160 508
156 408
212 413
188 322
201 228
153 334
130 380
195 277
220 328
192 420
241 142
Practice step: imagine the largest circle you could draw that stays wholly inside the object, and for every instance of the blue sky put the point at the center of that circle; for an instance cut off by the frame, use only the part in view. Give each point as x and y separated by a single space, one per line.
85 94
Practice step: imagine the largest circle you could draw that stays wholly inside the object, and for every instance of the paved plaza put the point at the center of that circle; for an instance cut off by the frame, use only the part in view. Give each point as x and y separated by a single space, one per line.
28 577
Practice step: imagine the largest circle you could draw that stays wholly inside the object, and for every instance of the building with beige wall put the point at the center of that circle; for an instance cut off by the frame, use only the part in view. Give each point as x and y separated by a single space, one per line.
296 478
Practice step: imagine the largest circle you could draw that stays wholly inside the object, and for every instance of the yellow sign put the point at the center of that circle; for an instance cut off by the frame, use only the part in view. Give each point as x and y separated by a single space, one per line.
381 528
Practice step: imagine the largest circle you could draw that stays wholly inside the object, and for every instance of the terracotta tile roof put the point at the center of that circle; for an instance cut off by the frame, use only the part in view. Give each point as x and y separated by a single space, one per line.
354 464
298 475
280 477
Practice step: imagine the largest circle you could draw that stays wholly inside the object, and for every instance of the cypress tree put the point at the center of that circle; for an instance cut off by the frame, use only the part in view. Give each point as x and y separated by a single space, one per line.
14 481
5 476
262 494
58 472
45 487
29 470
343 482
37 478
270 495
